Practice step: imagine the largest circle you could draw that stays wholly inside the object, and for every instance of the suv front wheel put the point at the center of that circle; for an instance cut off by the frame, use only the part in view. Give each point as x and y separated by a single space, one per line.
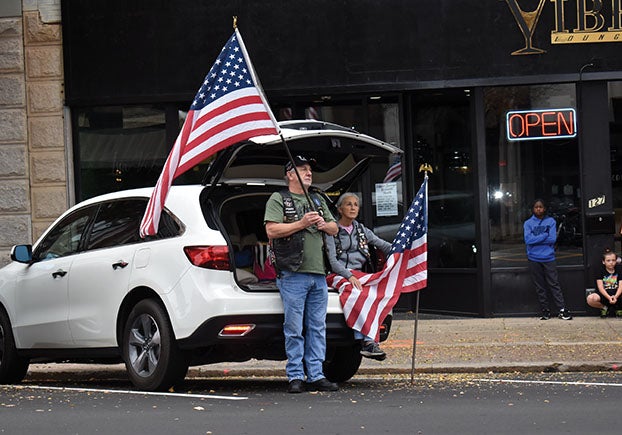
152 358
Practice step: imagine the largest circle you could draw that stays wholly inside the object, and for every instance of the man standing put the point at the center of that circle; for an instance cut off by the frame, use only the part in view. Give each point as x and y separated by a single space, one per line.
296 232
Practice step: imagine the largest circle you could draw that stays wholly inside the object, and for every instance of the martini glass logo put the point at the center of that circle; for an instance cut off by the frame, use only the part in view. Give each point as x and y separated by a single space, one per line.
527 22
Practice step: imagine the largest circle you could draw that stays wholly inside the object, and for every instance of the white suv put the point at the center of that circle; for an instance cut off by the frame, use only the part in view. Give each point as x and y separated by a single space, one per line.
90 290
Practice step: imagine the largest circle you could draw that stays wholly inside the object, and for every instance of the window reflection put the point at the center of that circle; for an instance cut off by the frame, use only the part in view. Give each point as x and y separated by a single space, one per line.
66 237
377 116
443 140
117 223
521 171
120 148
615 135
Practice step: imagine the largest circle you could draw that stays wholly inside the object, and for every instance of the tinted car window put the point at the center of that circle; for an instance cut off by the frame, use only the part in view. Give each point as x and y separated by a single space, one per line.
168 227
66 237
118 223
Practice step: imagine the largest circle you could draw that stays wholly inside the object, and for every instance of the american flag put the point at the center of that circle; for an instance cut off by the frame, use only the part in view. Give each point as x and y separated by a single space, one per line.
394 171
228 108
406 270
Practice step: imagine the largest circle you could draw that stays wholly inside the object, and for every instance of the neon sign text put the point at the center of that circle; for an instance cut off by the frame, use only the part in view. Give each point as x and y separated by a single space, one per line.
541 124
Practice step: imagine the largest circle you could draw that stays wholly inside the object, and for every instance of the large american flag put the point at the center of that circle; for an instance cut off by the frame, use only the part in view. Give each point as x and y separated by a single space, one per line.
406 270
228 108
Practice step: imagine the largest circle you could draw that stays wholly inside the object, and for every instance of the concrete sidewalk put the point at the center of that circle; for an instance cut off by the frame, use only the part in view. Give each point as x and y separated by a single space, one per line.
445 345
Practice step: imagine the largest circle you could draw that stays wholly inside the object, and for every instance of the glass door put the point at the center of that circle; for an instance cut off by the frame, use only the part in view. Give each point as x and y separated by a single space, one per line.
521 171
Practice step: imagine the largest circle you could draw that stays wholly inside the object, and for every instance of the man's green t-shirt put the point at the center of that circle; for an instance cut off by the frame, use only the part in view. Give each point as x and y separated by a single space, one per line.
313 259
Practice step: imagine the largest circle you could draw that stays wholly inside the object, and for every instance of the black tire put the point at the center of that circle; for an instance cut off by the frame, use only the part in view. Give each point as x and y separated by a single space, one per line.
13 368
152 358
342 363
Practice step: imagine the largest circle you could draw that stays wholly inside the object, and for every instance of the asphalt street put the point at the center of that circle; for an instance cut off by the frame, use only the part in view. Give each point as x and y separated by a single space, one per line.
546 403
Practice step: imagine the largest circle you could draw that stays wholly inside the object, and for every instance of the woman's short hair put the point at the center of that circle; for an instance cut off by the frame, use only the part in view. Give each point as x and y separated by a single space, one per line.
347 195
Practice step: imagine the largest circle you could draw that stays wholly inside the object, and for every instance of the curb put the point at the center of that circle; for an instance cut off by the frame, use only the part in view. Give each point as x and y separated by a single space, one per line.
547 367
64 372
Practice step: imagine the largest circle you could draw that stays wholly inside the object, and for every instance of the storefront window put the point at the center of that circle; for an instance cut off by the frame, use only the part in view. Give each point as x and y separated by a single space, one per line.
443 140
119 148
520 171
377 116
615 131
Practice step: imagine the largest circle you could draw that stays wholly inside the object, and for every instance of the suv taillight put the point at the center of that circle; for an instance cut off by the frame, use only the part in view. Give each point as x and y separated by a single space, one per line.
209 257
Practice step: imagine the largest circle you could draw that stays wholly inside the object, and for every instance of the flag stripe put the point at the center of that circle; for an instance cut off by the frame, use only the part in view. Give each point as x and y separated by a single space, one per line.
237 124
394 171
235 121
211 123
219 142
233 100
229 107
405 271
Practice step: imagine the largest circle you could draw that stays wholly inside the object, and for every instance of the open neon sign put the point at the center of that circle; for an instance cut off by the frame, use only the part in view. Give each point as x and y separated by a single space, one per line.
541 124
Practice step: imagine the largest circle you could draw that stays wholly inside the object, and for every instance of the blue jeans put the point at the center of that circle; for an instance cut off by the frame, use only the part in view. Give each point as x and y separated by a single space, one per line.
358 335
305 299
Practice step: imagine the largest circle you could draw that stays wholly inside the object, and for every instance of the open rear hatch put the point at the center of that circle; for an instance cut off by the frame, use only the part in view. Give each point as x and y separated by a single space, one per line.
241 178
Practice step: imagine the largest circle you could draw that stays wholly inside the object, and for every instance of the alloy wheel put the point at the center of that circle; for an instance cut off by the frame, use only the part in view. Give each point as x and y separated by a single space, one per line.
144 345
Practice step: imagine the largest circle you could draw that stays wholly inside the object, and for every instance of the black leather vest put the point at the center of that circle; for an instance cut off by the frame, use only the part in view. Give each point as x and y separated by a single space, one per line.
288 251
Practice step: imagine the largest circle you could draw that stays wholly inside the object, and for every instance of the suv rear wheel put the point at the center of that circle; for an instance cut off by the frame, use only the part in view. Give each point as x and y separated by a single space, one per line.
13 368
152 358
342 362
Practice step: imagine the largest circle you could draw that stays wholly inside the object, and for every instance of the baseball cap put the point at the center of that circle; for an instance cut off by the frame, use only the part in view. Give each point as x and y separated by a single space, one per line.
299 161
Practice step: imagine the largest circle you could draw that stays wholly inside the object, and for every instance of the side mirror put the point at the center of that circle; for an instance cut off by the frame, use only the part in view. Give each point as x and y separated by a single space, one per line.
21 253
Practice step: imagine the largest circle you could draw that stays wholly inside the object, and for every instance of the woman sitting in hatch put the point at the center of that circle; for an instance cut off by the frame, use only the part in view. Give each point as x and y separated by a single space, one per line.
349 250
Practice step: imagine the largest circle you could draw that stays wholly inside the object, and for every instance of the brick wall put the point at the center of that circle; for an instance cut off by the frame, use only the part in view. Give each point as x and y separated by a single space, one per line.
33 156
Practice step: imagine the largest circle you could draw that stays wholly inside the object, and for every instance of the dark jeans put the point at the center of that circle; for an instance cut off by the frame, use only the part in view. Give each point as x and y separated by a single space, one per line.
544 277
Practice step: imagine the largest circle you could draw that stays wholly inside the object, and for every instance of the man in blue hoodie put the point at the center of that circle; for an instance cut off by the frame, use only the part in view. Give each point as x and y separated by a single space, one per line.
540 233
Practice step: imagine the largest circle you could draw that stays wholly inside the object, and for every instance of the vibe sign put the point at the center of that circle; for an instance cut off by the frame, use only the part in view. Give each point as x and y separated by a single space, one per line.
541 124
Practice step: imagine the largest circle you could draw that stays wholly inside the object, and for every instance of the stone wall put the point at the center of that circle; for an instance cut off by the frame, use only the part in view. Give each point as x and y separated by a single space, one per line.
33 157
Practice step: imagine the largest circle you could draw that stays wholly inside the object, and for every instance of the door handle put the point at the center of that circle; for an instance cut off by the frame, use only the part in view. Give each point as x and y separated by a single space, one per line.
120 264
58 273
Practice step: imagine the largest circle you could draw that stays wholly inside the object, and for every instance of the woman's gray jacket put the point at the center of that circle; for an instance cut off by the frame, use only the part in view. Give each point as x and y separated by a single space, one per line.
352 256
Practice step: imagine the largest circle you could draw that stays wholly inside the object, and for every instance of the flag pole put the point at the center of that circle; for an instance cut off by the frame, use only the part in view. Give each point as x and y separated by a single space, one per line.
291 159
423 168
261 93
412 368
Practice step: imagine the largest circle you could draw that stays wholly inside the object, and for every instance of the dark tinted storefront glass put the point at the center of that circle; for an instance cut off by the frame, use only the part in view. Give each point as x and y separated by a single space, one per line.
520 171
119 148
443 139
377 116
615 132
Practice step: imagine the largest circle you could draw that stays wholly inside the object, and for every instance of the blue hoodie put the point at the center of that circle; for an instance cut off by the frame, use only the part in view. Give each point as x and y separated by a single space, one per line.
540 237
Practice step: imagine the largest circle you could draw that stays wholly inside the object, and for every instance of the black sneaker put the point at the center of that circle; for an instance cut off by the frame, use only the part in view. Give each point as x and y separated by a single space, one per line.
564 314
296 386
372 350
546 315
322 385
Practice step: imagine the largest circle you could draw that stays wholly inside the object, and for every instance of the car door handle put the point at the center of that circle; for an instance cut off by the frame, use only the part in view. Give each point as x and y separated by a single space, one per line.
120 264
58 273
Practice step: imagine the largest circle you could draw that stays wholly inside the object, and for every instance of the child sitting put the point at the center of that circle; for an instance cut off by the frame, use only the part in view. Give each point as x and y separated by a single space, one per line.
609 286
